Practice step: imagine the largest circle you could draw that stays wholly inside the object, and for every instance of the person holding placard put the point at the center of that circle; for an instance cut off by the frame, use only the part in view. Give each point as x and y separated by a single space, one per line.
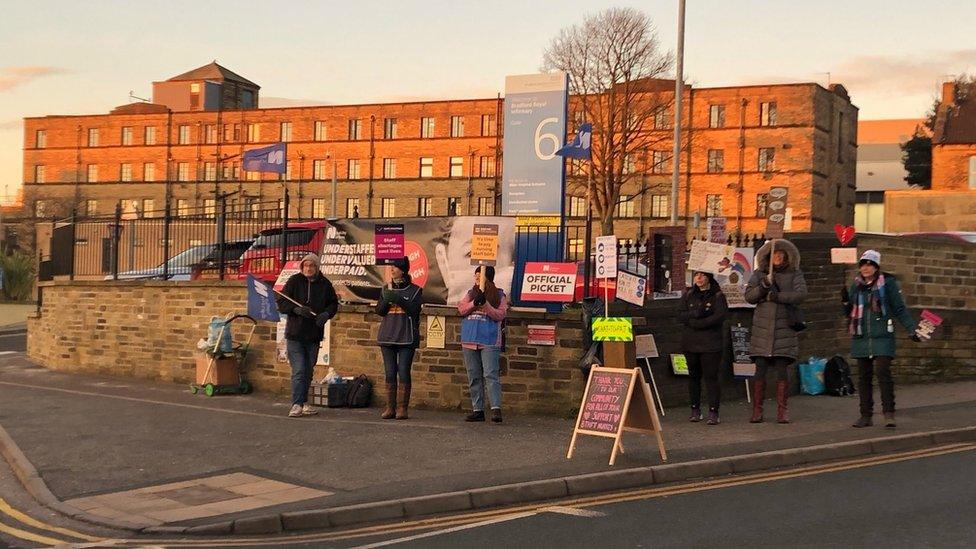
871 304
703 309
777 290
484 308
399 335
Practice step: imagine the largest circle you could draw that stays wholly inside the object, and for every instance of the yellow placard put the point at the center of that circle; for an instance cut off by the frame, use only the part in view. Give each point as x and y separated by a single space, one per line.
484 245
537 221
613 329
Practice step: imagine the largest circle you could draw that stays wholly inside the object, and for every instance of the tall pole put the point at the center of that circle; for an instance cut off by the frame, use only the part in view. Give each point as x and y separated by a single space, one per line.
588 232
335 185
678 93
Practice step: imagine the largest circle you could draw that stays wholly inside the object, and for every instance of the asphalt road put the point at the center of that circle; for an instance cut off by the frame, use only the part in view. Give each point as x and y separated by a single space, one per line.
13 342
928 502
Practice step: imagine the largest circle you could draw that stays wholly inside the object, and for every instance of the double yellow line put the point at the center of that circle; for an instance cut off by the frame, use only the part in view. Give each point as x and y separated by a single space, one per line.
19 533
592 501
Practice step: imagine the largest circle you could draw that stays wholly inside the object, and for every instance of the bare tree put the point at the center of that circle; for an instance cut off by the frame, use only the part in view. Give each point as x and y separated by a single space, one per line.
615 62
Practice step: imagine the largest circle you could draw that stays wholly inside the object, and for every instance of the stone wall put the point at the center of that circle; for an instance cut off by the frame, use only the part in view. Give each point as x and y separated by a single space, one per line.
149 330
933 210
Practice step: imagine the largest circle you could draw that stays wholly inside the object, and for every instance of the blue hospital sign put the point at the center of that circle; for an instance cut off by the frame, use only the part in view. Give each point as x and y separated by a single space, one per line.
535 128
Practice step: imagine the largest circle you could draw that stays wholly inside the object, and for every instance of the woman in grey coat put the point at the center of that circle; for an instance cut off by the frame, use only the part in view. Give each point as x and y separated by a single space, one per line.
774 343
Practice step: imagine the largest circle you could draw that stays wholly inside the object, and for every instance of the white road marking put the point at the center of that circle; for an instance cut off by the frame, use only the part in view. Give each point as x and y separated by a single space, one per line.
572 511
504 518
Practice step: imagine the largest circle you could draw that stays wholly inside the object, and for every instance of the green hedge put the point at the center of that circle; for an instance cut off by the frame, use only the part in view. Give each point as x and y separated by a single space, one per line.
18 276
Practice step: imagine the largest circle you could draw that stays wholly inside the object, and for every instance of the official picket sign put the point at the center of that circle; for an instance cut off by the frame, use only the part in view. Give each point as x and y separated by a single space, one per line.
612 329
549 282
616 400
484 244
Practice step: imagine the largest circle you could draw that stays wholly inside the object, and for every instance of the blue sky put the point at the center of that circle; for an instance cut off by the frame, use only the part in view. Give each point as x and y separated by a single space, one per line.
84 57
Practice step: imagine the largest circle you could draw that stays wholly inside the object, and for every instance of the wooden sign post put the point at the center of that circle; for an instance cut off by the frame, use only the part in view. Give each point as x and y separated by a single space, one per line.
609 408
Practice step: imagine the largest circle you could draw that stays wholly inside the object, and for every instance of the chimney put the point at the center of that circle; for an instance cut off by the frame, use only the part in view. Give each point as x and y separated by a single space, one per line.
949 93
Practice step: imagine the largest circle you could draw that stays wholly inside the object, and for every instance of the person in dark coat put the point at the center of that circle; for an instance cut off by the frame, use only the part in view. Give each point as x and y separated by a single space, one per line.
703 310
316 304
774 344
399 335
871 304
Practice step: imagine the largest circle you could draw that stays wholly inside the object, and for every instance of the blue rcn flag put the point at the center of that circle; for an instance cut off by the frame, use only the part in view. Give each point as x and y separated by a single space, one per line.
266 159
260 300
580 147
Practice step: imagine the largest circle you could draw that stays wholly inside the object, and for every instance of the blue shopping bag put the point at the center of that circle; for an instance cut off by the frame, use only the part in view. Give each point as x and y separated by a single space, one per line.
812 376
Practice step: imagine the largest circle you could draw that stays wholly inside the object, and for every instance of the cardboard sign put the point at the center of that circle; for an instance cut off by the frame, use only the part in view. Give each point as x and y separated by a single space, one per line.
484 244
540 334
679 365
631 288
742 365
733 280
606 256
389 243
290 269
717 230
616 400
776 211
710 257
846 256
612 329
549 282
646 346
435 332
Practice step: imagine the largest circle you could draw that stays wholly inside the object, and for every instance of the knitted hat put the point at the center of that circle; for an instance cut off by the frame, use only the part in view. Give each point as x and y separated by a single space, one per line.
401 263
311 257
871 256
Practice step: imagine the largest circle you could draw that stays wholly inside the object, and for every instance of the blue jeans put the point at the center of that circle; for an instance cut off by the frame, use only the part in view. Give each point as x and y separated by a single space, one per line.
302 355
482 364
397 360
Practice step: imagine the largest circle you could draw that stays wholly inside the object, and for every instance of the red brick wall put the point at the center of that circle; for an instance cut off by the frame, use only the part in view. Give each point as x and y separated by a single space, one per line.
950 167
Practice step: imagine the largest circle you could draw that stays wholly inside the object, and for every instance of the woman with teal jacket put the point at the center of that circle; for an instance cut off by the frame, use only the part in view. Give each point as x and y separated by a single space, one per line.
872 304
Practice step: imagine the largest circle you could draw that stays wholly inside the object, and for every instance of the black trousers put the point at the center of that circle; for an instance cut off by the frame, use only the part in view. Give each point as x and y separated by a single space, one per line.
880 366
779 363
704 365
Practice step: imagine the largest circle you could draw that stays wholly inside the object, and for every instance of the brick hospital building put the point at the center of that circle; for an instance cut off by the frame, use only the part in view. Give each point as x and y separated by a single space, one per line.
431 158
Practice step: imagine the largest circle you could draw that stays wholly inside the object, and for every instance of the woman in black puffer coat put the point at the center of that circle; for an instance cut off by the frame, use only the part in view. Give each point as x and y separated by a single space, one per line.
703 310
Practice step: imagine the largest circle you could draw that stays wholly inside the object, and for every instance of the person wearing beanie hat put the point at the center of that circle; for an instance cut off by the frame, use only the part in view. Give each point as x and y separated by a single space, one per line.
483 309
703 309
871 304
309 301
399 335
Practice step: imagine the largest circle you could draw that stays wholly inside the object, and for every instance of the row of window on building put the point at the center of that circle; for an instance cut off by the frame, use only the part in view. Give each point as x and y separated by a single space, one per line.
232 133
321 170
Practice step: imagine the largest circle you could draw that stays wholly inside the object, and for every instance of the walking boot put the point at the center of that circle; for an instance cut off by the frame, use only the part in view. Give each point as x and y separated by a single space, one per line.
477 415
713 417
391 401
404 396
863 421
758 390
782 394
889 420
696 414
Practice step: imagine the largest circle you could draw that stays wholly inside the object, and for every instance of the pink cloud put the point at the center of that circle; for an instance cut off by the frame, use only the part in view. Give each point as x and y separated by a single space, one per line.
11 77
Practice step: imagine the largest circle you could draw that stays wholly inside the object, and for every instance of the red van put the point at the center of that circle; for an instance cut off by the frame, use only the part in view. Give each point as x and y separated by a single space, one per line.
263 258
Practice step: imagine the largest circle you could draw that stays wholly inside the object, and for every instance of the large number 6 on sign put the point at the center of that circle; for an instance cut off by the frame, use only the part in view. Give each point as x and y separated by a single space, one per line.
276 157
540 137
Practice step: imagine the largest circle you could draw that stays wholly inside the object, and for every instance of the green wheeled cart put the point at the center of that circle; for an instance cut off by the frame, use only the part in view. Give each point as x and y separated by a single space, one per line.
223 372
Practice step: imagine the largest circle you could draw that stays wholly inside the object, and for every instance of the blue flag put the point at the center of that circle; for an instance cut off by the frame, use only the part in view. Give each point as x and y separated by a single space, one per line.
260 300
266 159
580 147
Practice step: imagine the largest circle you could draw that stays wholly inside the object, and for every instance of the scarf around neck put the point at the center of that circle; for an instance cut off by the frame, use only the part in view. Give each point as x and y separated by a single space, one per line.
877 301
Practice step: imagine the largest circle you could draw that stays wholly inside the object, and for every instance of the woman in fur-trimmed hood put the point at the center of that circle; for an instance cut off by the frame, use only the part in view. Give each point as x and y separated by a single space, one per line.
777 295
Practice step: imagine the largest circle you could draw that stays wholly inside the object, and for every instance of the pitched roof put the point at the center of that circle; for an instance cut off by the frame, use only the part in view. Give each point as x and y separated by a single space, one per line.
956 123
212 71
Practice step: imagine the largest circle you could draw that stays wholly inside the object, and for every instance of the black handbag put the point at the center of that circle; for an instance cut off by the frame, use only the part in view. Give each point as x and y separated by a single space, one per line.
795 318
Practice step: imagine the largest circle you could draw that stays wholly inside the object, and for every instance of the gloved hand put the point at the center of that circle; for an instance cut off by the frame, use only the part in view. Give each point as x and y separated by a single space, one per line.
480 299
916 338
304 311
767 281
389 295
773 296
845 297
321 319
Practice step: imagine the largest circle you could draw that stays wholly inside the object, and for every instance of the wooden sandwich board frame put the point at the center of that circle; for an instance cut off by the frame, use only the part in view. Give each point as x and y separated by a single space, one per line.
639 418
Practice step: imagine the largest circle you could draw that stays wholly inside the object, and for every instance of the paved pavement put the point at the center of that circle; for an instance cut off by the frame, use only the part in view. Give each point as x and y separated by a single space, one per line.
15 313
99 435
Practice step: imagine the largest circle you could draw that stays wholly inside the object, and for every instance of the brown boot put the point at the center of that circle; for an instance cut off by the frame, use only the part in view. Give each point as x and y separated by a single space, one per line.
404 396
758 390
782 394
391 401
